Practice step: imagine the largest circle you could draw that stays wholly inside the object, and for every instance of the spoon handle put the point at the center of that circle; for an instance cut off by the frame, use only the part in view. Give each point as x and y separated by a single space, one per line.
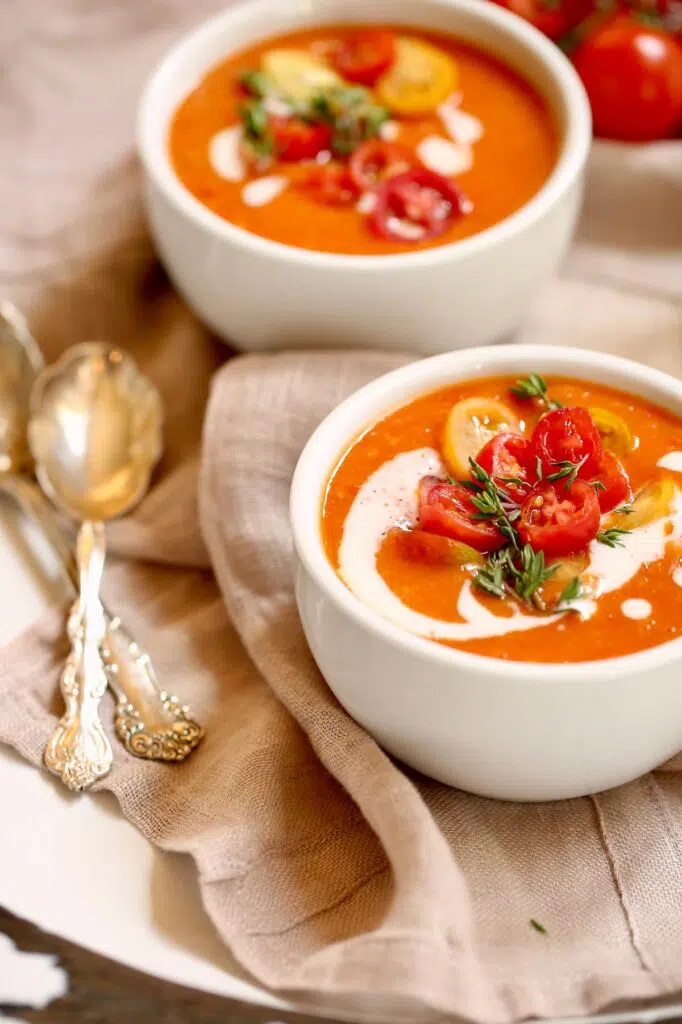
150 722
79 750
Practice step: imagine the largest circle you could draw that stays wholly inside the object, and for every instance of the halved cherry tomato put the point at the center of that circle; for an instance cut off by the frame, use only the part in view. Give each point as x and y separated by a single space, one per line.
633 76
374 160
562 522
567 435
552 19
331 184
365 55
416 205
298 140
509 455
433 549
616 483
447 509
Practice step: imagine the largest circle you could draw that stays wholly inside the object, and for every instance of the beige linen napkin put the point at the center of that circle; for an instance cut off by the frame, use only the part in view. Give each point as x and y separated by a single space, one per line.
331 874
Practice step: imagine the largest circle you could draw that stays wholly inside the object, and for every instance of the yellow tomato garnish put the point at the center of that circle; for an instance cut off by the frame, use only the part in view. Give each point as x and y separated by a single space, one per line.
651 503
469 426
297 75
420 78
615 434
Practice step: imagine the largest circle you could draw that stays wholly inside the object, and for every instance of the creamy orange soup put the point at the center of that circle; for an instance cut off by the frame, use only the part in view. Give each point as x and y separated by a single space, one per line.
468 141
591 493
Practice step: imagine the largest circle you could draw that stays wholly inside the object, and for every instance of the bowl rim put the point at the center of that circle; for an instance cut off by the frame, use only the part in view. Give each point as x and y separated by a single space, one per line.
574 150
326 444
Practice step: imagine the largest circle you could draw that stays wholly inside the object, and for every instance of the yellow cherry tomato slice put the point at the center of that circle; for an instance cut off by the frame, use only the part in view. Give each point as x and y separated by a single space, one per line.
298 75
616 435
420 78
653 502
469 426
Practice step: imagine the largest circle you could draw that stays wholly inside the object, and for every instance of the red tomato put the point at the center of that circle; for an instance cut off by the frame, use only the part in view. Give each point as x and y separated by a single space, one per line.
298 140
508 455
552 19
364 56
426 548
615 480
567 435
447 509
559 523
374 160
415 205
633 76
331 184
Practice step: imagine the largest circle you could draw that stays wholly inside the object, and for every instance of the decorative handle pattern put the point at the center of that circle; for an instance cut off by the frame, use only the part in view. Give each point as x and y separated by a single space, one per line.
150 722
79 750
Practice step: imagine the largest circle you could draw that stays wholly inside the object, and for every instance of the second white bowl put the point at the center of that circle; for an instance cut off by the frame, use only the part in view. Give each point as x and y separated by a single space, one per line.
260 294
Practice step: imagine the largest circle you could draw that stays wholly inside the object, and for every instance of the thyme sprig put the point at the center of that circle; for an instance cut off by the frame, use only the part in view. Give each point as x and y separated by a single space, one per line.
567 471
534 386
520 574
613 537
492 502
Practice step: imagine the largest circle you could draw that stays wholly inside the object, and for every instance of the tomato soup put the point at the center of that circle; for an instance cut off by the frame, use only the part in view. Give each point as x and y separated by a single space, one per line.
363 140
526 519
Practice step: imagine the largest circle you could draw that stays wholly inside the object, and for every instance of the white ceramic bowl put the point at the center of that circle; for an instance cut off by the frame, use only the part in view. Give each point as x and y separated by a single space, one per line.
516 731
260 294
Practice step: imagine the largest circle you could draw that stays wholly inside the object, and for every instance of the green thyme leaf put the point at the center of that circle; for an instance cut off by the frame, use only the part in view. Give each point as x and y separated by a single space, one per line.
532 573
491 577
613 537
598 486
571 592
625 510
537 926
256 83
533 386
567 471
257 132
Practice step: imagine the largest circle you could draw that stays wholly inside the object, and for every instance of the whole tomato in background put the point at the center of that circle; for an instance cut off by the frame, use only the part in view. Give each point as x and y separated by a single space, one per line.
629 59
633 76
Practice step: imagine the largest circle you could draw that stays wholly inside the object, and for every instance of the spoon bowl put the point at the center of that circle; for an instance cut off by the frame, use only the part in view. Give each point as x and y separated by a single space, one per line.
95 432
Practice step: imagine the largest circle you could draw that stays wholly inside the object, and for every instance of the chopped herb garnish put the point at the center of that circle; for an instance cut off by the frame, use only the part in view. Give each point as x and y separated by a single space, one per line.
533 386
624 510
567 471
351 112
531 575
492 576
613 537
256 83
537 926
571 592
257 134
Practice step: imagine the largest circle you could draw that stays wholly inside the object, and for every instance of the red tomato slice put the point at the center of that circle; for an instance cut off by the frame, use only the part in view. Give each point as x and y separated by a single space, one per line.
364 56
559 523
567 435
331 184
298 140
509 455
633 76
415 205
616 483
374 160
447 509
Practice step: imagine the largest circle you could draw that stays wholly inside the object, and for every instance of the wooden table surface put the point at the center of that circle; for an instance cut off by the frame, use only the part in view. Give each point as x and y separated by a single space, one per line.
102 991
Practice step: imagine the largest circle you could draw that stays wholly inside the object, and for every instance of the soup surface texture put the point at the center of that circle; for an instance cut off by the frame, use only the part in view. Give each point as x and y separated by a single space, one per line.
363 141
527 520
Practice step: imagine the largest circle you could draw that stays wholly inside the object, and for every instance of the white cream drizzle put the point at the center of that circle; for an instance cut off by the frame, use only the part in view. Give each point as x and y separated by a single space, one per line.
672 461
636 608
445 157
389 131
462 127
262 191
224 154
388 498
